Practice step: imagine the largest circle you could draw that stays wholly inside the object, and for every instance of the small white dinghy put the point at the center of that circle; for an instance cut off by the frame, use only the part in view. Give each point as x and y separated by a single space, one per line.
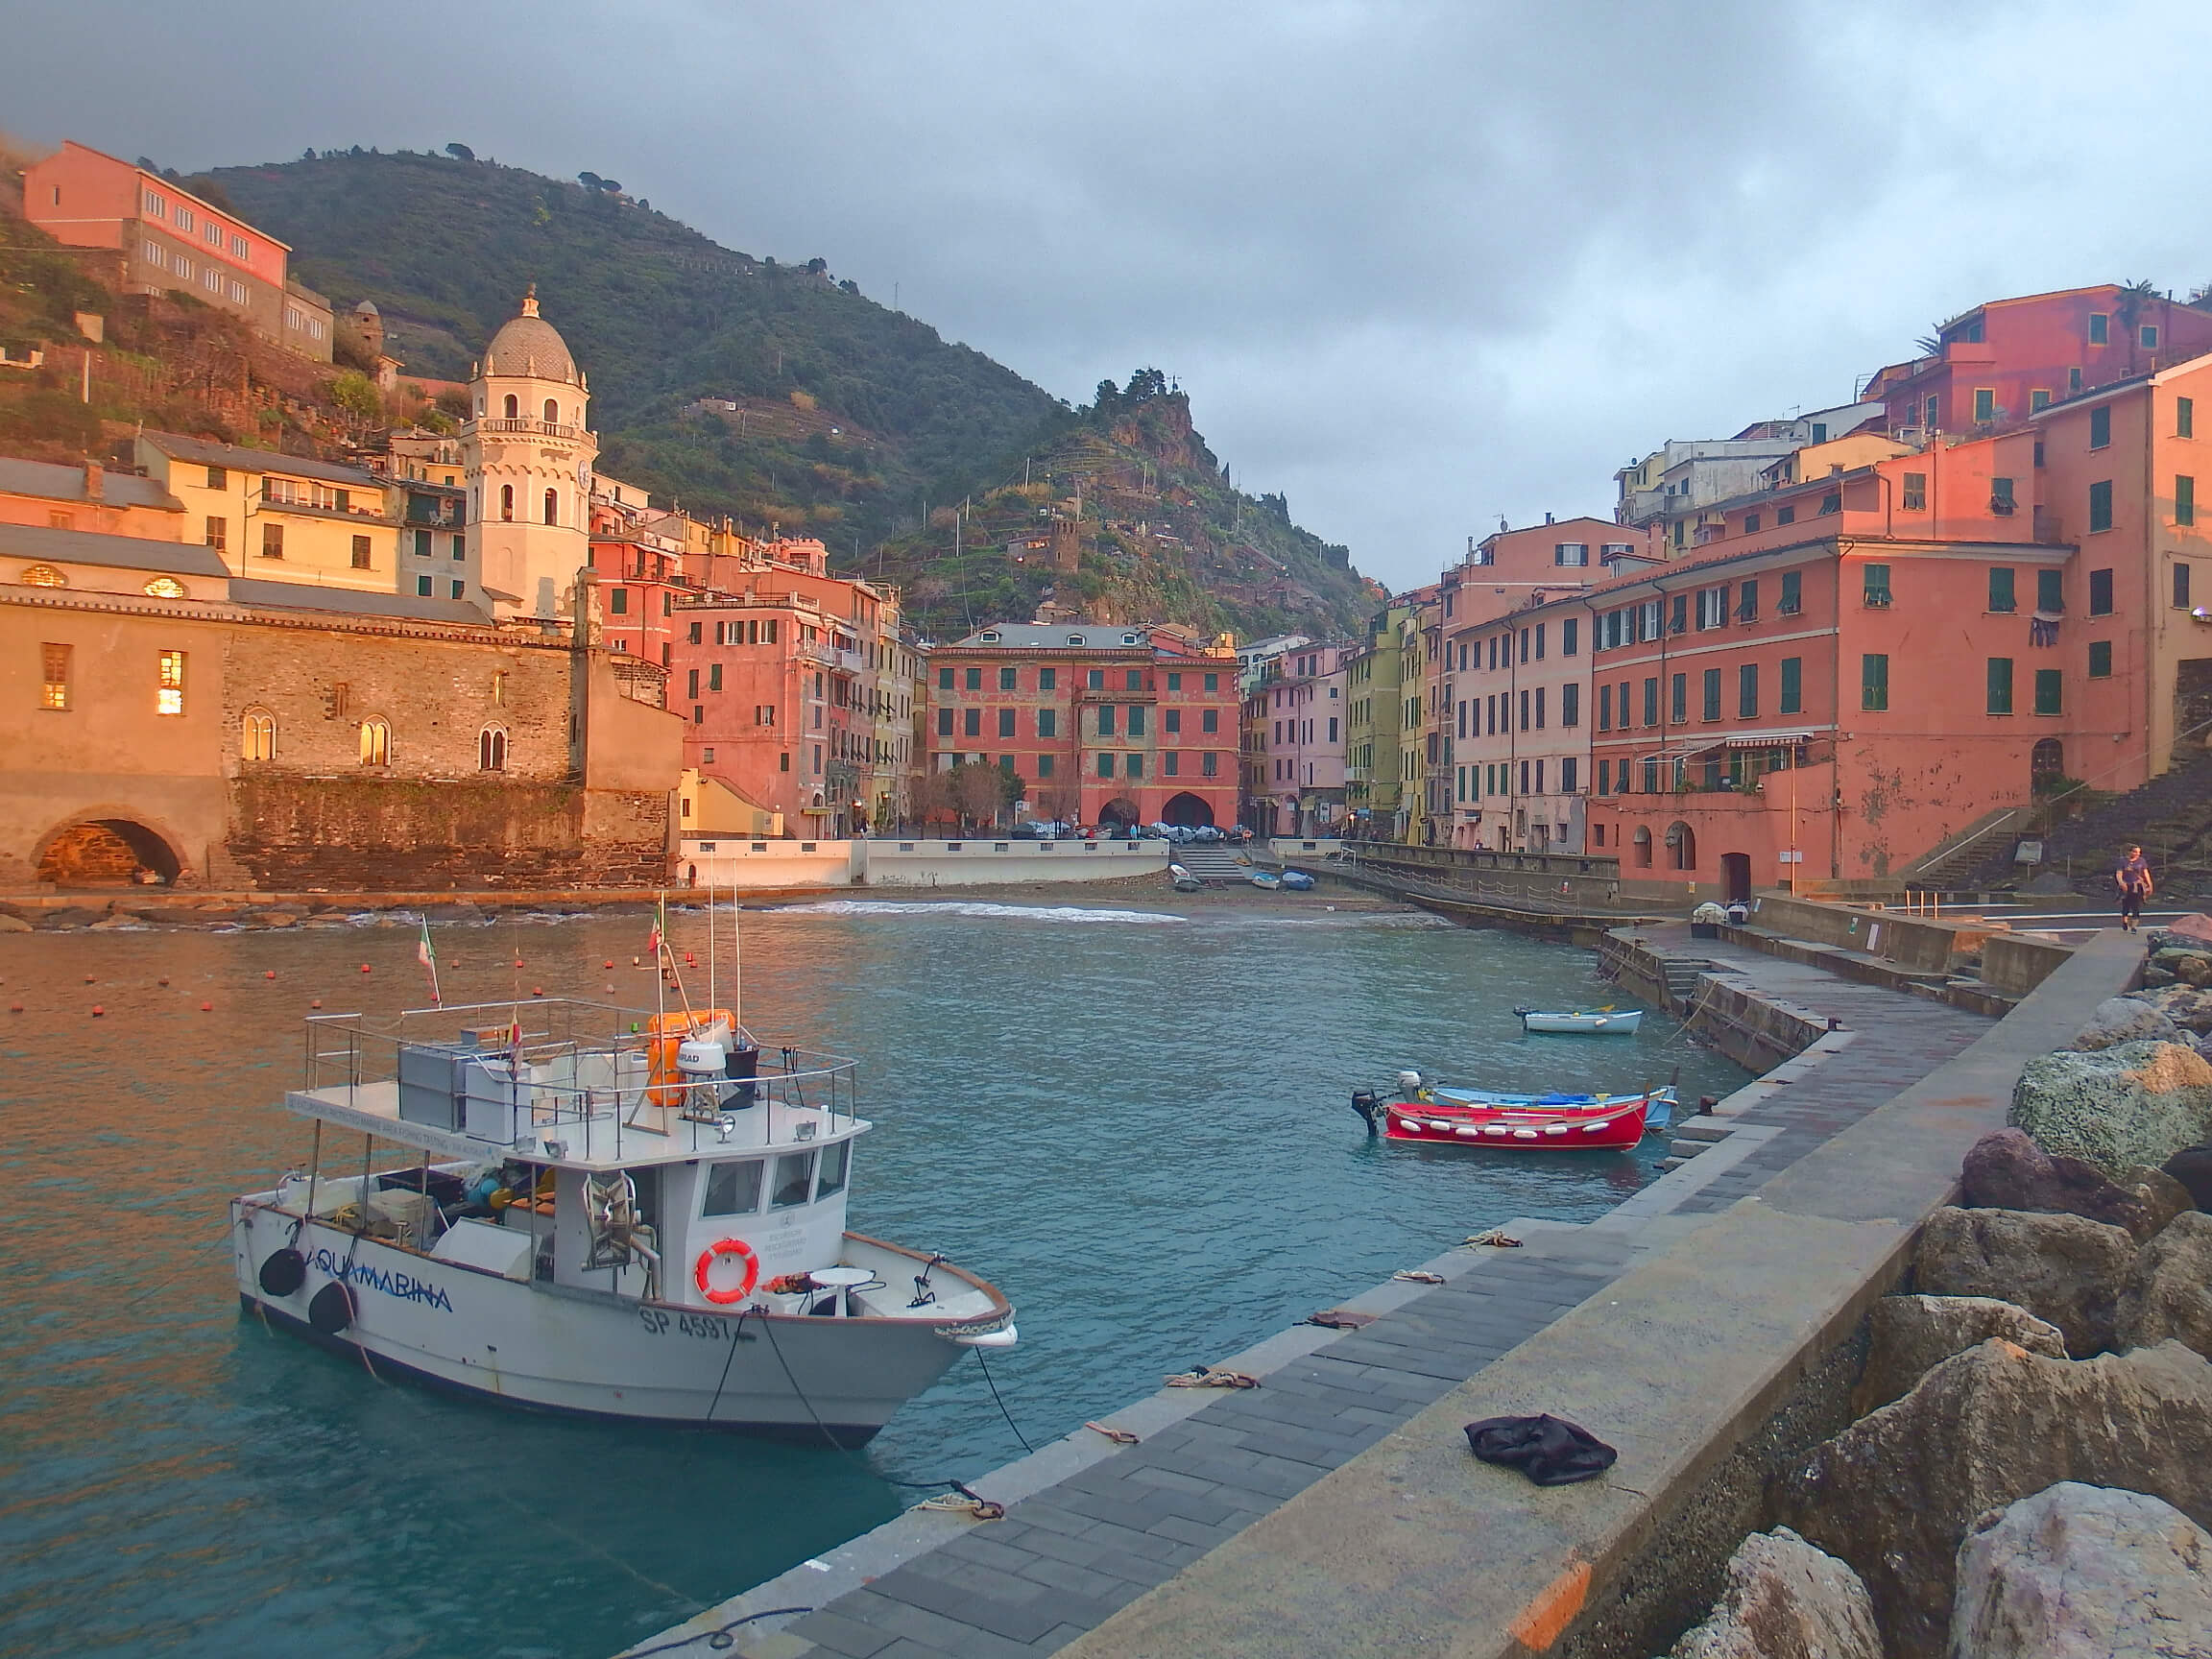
1582 1022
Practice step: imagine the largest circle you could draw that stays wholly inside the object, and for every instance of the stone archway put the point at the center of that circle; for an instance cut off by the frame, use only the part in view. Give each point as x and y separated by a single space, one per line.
106 853
1120 813
1188 811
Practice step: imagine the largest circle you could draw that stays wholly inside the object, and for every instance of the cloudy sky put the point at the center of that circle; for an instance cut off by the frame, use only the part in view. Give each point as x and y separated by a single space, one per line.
1418 266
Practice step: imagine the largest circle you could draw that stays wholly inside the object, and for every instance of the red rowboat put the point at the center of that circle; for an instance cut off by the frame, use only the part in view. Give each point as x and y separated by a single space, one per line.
1522 1122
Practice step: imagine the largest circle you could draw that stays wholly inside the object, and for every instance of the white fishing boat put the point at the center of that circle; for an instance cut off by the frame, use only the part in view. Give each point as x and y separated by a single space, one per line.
1615 1021
599 1211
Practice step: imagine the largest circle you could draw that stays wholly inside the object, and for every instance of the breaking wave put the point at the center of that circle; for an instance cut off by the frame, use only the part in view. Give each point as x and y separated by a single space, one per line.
974 907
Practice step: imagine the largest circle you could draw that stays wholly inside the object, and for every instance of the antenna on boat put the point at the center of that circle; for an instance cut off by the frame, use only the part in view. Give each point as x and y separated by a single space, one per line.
709 941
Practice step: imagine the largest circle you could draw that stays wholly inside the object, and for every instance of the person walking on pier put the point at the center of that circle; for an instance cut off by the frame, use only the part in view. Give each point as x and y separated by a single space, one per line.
2133 877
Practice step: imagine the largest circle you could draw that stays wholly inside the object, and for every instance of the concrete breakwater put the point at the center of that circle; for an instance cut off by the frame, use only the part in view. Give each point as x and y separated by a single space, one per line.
1711 1327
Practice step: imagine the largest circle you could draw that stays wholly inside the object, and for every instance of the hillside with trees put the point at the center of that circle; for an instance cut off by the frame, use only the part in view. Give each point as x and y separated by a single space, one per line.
741 387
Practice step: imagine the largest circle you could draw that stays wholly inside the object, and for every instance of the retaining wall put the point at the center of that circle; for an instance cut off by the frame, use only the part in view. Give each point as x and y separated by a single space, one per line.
743 864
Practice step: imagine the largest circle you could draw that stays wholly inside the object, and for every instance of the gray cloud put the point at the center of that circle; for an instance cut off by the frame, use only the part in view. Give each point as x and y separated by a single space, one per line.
1419 265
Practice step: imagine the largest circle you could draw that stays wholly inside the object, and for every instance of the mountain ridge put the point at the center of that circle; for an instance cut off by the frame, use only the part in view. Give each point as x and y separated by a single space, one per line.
774 395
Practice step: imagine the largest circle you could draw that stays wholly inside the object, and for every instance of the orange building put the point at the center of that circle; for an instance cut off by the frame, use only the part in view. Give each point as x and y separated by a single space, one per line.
1105 723
2004 360
1855 669
2119 476
172 240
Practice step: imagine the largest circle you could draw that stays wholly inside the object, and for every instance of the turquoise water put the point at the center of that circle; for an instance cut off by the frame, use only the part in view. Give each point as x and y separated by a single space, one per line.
1138 1128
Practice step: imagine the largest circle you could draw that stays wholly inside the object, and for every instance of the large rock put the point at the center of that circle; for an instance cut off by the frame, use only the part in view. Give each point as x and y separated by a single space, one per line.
1895 1493
2186 1005
1909 1336
1785 1599
2064 1269
2161 1194
2169 1289
2083 1572
2191 1167
2007 1170
2132 1103
2194 929
2124 1019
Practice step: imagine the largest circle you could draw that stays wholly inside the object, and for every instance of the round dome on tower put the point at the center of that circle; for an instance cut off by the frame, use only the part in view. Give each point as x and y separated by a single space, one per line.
529 345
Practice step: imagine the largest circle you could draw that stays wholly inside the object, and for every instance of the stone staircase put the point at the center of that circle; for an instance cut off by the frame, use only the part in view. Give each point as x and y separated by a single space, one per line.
1947 867
1682 976
1211 865
2171 816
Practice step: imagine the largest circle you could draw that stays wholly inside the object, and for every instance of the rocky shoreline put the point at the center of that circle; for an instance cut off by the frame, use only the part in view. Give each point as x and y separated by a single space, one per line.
2029 1473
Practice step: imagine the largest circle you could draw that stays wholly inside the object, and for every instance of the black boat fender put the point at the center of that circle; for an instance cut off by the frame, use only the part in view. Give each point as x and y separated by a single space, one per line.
332 1309
283 1272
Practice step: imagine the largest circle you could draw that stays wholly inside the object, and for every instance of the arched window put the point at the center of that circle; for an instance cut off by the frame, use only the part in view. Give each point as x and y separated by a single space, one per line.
166 588
552 506
513 406
2049 759
375 743
257 735
492 750
1643 845
1682 843
552 413
42 576
507 502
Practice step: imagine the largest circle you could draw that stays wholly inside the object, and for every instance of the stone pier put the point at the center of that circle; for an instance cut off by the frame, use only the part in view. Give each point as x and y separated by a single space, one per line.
1707 1327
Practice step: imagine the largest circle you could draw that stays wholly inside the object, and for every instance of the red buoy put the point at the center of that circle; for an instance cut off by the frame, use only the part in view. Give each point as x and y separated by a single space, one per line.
316 1003
536 990
518 961
97 1011
164 980
271 974
610 961
364 967
206 1007
17 1007
689 960
88 979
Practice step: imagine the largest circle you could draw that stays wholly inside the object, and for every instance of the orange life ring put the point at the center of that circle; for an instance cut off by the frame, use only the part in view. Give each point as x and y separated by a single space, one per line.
713 1253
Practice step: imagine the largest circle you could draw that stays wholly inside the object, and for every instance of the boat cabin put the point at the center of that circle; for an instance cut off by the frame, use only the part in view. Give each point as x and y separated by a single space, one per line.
663 1157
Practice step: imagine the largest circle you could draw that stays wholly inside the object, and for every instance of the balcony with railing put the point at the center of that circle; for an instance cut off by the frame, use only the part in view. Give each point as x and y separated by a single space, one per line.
524 428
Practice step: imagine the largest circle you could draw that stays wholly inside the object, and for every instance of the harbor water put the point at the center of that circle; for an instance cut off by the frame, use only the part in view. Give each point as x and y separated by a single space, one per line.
1133 1119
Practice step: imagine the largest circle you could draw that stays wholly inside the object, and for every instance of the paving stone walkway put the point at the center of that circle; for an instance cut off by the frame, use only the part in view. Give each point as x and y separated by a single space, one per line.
1063 1560
1101 1527
1898 1039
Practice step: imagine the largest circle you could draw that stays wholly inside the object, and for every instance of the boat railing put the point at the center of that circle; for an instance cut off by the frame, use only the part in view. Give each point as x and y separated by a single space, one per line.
574 1079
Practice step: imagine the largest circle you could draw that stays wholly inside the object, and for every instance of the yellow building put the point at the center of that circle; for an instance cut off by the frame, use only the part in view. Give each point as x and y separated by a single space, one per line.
278 518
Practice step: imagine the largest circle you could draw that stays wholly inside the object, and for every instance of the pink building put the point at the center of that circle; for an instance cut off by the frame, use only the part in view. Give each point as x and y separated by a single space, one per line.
170 240
1295 725
1513 769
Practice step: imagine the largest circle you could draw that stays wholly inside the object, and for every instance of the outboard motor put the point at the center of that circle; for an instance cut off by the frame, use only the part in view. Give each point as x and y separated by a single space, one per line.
1410 1085
1369 1105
